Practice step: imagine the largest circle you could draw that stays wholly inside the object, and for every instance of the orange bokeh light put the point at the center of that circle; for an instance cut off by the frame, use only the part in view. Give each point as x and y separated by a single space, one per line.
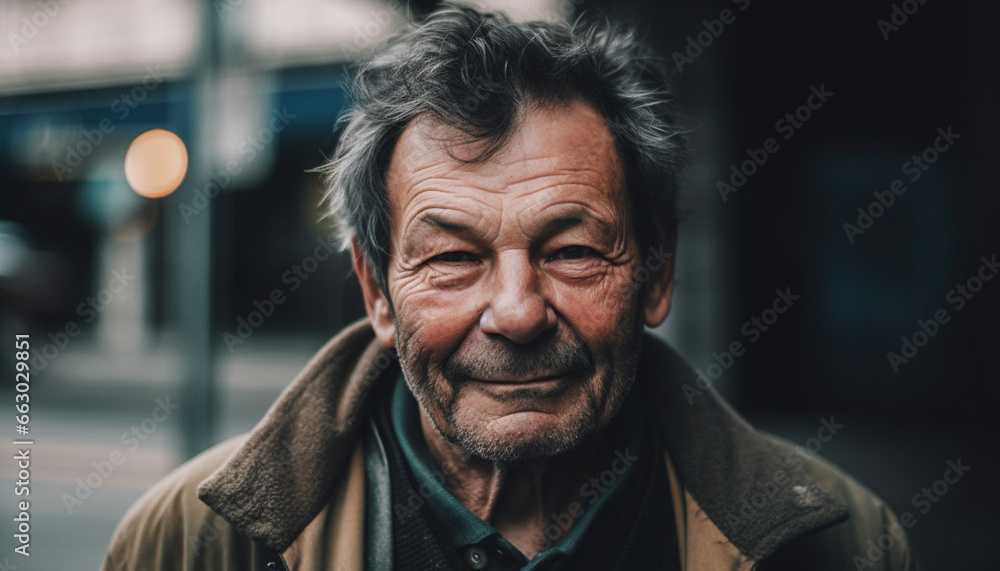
156 163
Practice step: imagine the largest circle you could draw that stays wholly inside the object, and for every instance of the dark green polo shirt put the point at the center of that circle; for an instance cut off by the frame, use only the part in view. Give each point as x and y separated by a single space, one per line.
478 543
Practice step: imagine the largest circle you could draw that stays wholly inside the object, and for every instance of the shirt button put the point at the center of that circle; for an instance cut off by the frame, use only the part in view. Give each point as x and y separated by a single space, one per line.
476 558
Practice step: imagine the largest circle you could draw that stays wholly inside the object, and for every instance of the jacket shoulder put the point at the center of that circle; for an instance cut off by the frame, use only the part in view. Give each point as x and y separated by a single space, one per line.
870 538
169 528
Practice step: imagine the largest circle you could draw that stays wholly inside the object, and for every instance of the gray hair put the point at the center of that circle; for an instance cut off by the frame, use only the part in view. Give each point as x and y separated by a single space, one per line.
476 72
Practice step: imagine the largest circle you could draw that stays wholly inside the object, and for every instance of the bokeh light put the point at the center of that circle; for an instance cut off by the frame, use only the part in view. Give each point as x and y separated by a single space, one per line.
156 163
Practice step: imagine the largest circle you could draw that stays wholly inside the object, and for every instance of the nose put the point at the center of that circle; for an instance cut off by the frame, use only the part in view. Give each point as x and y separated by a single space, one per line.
517 309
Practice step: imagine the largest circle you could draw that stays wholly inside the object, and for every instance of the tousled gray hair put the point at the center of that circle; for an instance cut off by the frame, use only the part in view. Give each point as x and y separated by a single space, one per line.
476 72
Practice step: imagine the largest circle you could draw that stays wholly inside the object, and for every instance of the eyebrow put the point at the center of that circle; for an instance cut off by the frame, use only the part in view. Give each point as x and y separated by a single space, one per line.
554 226
577 217
449 225
557 225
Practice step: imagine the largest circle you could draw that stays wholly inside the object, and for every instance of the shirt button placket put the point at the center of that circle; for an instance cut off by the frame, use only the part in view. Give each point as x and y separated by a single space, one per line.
476 558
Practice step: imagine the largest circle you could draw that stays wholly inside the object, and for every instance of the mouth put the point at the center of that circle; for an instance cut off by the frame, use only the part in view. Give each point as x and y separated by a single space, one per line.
522 381
544 387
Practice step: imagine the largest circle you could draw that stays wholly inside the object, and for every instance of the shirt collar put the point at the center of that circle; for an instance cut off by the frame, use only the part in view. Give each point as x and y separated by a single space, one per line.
462 526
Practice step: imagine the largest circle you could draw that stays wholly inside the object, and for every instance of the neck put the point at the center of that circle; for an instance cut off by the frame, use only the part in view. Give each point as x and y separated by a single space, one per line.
518 500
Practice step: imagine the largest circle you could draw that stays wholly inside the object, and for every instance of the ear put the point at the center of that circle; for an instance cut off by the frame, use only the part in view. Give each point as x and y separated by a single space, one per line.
376 304
660 289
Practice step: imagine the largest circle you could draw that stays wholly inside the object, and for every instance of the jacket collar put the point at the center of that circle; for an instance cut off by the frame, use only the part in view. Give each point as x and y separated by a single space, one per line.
273 486
751 486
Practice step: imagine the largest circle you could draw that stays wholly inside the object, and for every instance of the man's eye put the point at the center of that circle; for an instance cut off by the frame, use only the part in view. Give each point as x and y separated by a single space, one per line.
573 253
454 257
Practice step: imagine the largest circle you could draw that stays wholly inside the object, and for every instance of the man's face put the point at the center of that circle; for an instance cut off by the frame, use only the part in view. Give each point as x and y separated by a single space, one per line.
515 316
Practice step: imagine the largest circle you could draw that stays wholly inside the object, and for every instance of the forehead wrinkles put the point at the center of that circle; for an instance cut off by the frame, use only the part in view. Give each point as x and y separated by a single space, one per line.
508 217
475 211
555 138
567 150
529 186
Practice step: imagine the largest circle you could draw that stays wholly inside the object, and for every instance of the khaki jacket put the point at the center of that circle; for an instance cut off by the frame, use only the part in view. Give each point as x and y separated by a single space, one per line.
290 494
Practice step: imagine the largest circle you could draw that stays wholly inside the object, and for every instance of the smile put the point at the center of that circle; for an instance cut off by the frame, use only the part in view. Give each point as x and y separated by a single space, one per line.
533 388
522 382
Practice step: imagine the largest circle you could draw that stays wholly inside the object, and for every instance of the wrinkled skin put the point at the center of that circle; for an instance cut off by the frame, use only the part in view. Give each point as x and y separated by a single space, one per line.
514 310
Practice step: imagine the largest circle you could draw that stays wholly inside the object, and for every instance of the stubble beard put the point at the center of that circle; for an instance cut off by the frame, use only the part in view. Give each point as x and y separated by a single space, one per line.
462 428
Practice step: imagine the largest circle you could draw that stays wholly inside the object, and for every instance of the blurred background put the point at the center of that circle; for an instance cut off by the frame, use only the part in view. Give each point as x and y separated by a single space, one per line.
138 305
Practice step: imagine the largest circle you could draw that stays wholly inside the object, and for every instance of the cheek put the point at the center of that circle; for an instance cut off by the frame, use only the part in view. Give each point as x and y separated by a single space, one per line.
597 314
431 321
435 321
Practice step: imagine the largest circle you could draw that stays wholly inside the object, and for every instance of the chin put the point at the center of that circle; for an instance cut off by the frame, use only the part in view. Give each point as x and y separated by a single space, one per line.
522 437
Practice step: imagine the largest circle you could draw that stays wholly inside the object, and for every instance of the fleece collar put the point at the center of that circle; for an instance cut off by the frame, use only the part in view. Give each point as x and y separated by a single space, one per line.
276 483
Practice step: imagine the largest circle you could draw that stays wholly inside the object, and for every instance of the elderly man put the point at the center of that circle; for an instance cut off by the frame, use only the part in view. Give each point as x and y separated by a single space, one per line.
508 193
